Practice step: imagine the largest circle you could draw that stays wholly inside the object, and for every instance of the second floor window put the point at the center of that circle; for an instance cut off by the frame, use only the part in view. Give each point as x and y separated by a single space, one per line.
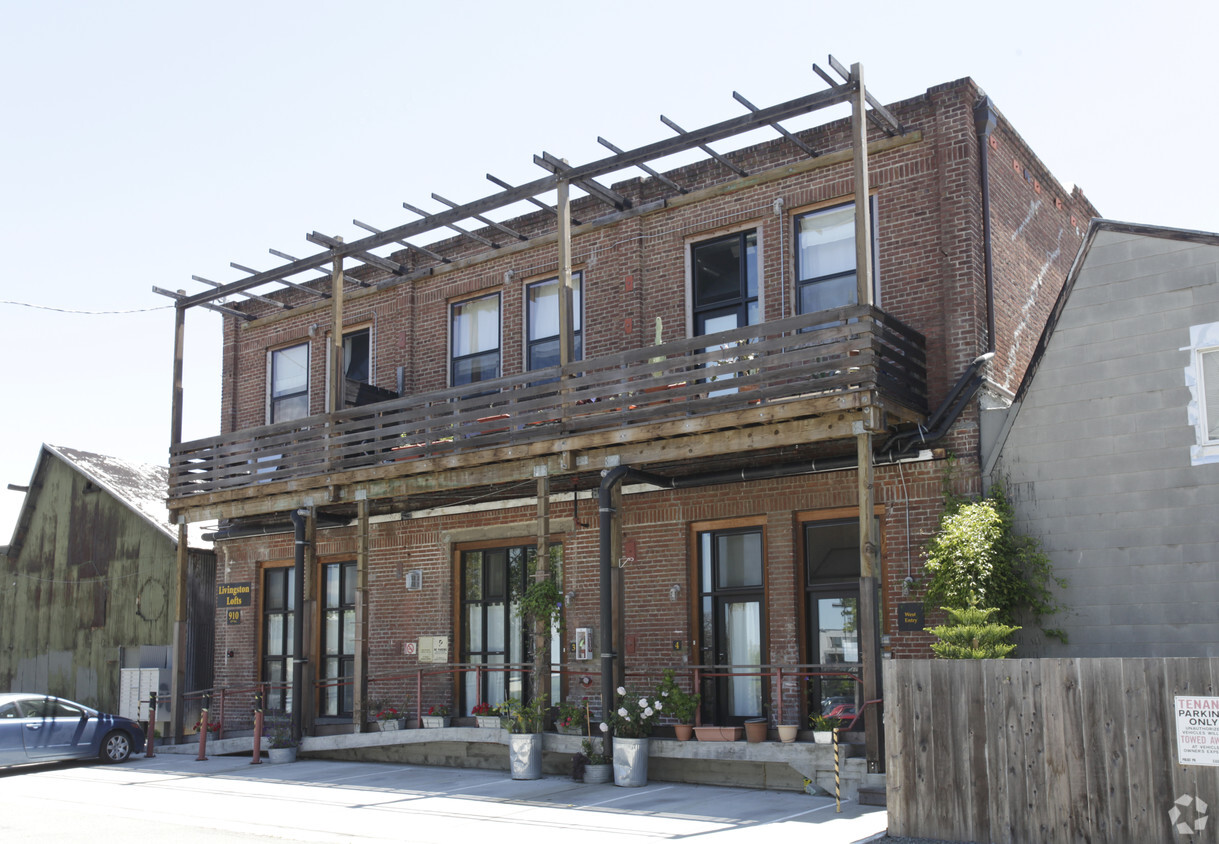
724 287
289 383
825 259
475 338
357 356
542 323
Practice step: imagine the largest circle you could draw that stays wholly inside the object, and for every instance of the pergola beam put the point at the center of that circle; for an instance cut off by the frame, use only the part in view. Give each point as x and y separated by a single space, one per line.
533 199
601 167
180 298
484 220
291 284
560 167
453 226
645 168
812 153
277 303
435 256
367 257
740 171
879 115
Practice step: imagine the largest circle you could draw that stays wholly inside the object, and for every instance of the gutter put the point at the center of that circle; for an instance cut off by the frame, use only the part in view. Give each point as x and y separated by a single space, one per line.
985 120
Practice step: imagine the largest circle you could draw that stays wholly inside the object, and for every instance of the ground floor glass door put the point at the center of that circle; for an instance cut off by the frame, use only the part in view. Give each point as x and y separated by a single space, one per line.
731 595
831 551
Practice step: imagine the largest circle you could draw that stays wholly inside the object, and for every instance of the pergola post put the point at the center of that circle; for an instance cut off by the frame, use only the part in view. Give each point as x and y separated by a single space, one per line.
338 383
869 615
541 626
178 674
863 220
359 681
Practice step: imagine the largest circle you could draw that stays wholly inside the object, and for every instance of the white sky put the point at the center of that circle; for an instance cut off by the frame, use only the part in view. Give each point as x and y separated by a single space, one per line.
143 142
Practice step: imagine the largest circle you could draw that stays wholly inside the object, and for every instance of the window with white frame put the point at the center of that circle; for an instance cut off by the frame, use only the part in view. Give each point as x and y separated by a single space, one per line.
289 383
825 259
542 322
1202 379
474 329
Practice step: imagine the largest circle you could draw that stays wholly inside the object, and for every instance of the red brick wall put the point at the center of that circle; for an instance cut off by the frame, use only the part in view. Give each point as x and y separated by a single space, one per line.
929 225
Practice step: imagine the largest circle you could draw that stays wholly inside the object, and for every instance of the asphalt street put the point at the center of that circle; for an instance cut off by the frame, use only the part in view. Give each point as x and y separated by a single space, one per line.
226 799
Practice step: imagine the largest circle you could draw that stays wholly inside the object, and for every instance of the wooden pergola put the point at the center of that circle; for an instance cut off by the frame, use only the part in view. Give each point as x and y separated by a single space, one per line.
324 275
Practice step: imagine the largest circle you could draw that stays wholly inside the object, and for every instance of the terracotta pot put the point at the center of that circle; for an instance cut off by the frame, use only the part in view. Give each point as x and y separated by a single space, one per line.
684 732
755 730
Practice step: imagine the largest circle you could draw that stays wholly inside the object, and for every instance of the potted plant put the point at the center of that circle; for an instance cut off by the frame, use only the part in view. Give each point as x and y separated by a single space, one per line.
525 722
487 716
281 744
571 720
787 732
388 717
437 716
590 765
632 721
212 727
823 728
679 705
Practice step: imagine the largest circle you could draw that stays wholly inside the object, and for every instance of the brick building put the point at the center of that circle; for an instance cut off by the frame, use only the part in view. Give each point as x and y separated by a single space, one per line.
684 442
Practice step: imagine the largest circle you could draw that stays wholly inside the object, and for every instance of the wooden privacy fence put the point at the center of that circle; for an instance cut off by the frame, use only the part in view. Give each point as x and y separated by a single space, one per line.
1042 750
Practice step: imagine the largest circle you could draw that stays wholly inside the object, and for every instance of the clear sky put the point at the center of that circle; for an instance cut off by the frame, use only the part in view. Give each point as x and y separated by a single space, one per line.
144 142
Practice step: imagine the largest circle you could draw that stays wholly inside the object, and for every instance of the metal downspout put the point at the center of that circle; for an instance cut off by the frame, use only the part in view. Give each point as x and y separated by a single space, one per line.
985 119
298 621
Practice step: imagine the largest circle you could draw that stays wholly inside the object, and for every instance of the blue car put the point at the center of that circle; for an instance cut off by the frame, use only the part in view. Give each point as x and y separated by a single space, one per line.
43 728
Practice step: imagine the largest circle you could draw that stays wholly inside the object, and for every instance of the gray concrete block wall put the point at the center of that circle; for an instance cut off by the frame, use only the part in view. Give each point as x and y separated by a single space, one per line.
1098 456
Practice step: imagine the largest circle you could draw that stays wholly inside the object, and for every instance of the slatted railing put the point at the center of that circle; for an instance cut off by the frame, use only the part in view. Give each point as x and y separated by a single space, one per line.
850 349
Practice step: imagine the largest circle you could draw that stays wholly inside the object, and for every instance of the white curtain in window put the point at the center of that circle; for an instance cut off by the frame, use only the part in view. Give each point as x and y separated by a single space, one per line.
743 631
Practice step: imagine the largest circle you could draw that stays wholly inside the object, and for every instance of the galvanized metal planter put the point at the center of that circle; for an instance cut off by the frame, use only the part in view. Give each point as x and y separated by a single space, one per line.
525 755
630 762
598 774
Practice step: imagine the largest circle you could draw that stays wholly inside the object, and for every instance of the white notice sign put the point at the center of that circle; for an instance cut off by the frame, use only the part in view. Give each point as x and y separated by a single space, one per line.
1197 730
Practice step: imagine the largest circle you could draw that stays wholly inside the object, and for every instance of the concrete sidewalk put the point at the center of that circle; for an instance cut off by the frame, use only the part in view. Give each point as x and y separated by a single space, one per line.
323 800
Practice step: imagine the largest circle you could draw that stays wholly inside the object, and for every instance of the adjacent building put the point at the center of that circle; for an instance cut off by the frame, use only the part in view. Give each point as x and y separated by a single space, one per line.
1110 452
90 581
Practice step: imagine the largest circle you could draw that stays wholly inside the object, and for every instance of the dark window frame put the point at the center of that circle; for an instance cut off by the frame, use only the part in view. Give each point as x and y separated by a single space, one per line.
279 694
274 401
803 282
532 343
748 250
455 360
337 701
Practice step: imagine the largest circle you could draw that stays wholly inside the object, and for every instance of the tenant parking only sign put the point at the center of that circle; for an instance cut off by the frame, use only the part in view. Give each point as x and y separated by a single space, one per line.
1197 730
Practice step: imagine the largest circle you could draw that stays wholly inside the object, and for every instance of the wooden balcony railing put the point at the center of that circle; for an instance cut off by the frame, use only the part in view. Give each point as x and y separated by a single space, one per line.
847 350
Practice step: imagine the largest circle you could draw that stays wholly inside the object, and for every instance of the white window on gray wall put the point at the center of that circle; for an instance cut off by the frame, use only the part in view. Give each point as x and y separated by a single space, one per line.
1202 379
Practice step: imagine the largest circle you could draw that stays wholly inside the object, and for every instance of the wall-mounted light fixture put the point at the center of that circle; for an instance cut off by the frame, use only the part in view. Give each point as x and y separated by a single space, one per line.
674 591
414 580
570 596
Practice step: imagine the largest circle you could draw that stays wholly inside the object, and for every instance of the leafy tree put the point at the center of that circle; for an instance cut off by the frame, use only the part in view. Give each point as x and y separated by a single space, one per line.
977 556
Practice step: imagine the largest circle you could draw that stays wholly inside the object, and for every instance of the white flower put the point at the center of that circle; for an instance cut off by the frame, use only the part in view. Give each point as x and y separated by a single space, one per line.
622 712
604 727
647 713
665 693
643 702
659 708
621 690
